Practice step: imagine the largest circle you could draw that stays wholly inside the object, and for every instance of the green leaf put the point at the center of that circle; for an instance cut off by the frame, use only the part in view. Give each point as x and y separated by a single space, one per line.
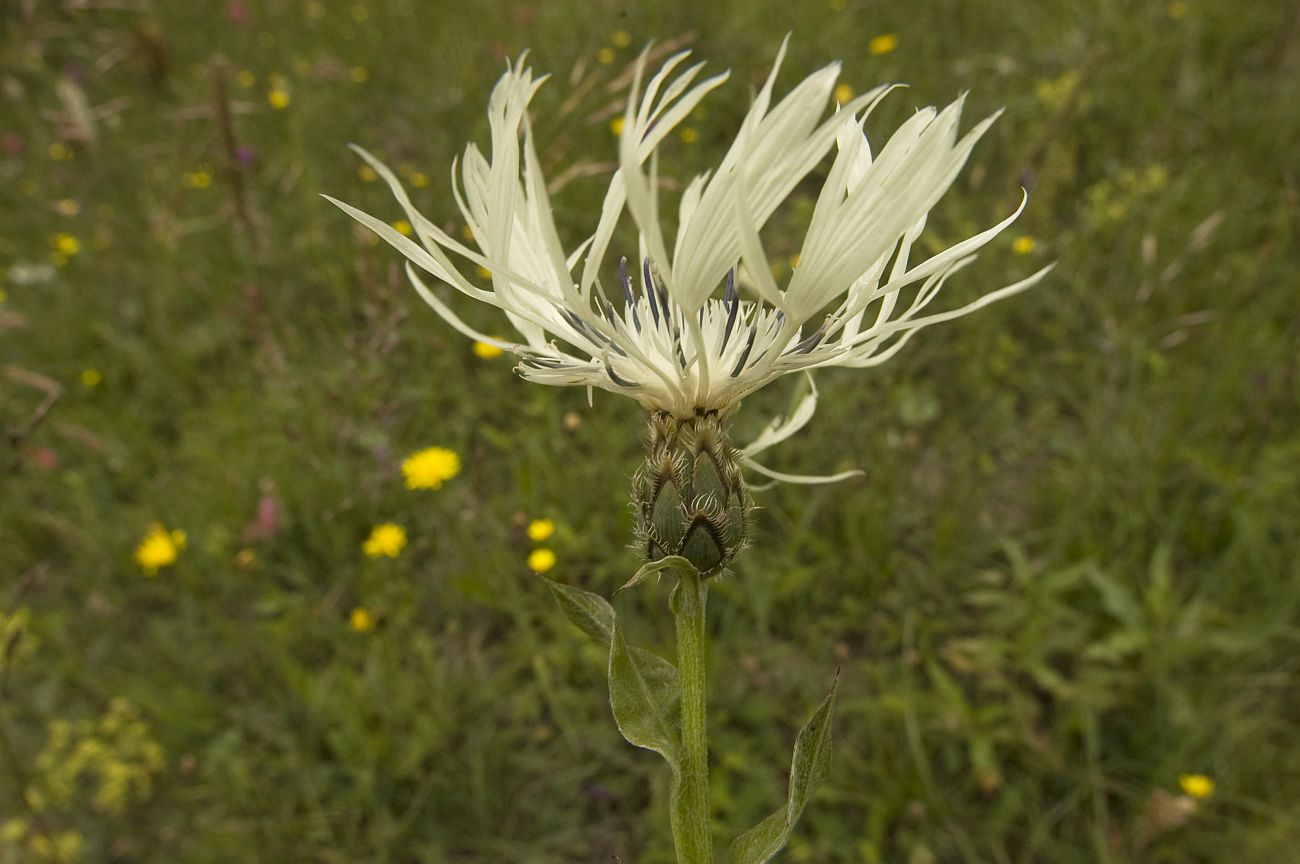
656 568
811 761
644 690
589 612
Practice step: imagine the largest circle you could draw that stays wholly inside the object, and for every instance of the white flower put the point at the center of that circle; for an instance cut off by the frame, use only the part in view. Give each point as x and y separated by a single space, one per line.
671 344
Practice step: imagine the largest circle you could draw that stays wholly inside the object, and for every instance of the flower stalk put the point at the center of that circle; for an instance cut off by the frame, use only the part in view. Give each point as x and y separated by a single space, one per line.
692 835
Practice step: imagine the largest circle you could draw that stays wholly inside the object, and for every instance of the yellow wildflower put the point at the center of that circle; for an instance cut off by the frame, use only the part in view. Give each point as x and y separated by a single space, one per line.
419 179
1197 786
385 541
361 620
485 351
91 378
200 179
605 56
430 468
65 244
246 79
688 135
541 560
278 98
60 152
883 44
359 74
1023 245
621 38
843 93
484 272
367 174
540 529
159 548
616 125
403 227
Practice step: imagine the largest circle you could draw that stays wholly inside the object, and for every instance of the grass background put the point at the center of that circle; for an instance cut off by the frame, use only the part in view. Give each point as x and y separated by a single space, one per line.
1068 577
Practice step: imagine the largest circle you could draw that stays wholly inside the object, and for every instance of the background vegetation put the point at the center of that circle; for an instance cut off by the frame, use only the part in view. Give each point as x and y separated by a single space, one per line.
1068 578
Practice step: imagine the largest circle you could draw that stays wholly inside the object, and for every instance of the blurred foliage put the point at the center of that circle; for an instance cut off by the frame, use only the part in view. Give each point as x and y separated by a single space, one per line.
1069 576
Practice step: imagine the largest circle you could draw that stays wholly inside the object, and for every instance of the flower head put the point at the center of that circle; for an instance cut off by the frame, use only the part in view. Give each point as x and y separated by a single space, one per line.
1196 786
362 620
675 345
540 529
541 560
430 468
159 548
385 541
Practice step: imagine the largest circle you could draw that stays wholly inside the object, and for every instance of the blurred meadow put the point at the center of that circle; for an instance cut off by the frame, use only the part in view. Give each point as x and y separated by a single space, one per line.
1064 600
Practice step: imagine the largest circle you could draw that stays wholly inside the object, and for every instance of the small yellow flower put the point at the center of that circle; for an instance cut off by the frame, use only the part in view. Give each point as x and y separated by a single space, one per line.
1197 786
1177 9
616 125
200 179
246 79
359 74
278 98
65 244
367 174
60 152
419 179
843 93
883 44
540 529
245 558
430 468
91 378
159 548
361 620
621 38
605 56
403 227
484 351
1023 245
541 560
67 207
688 135
467 232
484 272
385 541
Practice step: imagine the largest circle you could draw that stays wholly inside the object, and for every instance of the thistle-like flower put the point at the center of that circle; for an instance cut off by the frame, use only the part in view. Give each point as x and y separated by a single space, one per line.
672 345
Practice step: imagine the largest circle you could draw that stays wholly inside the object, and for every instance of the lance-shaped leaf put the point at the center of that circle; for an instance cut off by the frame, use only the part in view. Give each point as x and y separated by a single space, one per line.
675 563
589 612
811 761
644 688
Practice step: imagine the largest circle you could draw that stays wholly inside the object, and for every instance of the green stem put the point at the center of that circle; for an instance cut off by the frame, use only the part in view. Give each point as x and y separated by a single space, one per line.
692 833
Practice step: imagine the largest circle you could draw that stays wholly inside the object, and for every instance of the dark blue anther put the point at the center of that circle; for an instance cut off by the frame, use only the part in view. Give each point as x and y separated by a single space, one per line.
744 355
648 284
627 291
732 301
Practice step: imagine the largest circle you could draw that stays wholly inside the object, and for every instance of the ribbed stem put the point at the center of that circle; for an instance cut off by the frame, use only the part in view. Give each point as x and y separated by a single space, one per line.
691 819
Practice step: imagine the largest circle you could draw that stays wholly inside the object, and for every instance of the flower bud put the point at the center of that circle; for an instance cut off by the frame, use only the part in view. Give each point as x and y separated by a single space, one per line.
688 496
